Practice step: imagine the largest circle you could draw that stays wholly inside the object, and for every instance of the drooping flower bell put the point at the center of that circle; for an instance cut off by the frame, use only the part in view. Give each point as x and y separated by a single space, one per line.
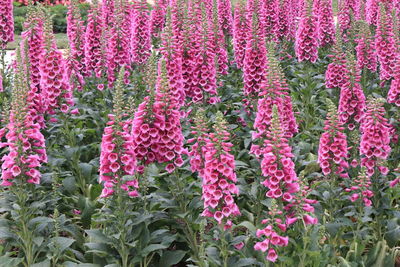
375 137
361 189
394 91
335 74
225 17
218 42
117 158
333 148
157 17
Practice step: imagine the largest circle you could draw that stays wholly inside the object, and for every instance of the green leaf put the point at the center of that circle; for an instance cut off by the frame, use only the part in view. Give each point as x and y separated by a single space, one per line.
248 225
97 235
69 184
171 257
245 262
45 263
5 233
150 248
62 243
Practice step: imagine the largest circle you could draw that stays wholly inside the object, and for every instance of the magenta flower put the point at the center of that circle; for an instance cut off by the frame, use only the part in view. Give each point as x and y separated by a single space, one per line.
375 137
361 189
6 23
352 99
156 129
225 17
56 89
94 45
107 11
326 25
218 42
157 17
365 50
269 19
385 44
344 18
140 35
394 91
76 37
25 143
255 61
219 177
240 28
333 149
336 73
118 47
117 158
306 44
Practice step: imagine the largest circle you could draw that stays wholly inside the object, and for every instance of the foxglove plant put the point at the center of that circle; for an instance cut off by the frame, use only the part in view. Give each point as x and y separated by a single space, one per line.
269 19
255 61
225 18
333 148
33 37
94 46
365 49
371 11
326 25
285 21
198 143
306 44
6 23
107 11
25 143
157 17
204 72
76 35
385 44
54 83
352 99
361 189
219 177
156 128
375 137
118 48
219 42
336 72
240 28
274 91
345 19
140 36
117 158
172 54
394 91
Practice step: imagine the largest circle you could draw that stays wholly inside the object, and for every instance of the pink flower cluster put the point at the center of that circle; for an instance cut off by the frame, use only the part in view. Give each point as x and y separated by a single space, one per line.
156 130
371 11
240 28
172 54
344 18
198 147
385 45
26 152
157 17
255 61
35 45
375 138
6 22
76 35
219 177
365 50
361 189
54 82
326 25
94 47
218 43
306 44
140 36
333 149
117 158
352 99
225 18
335 74
394 91
269 19
118 47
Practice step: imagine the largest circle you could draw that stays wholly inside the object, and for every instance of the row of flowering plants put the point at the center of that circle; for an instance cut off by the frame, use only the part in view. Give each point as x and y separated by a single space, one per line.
202 133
